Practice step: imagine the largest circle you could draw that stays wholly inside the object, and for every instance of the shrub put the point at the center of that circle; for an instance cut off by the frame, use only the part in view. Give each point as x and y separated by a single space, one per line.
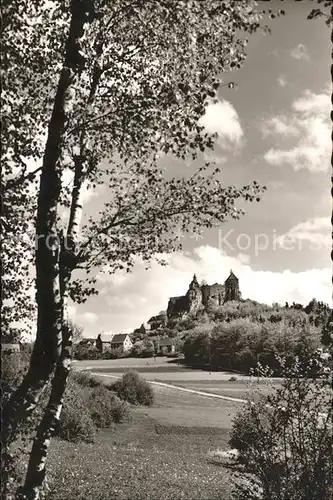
13 367
85 379
76 423
114 353
106 408
89 405
137 349
10 372
86 351
148 349
120 410
285 440
134 389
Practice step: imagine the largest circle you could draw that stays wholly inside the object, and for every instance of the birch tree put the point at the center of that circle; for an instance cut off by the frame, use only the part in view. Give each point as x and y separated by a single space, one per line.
96 92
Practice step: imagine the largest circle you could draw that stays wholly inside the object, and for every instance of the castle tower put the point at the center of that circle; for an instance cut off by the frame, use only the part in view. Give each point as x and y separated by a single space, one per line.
232 291
194 295
194 283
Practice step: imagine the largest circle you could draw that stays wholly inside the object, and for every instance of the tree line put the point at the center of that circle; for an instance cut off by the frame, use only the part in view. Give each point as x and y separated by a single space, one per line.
239 335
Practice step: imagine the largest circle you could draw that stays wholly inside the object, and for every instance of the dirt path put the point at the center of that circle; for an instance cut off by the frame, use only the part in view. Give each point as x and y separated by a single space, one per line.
170 386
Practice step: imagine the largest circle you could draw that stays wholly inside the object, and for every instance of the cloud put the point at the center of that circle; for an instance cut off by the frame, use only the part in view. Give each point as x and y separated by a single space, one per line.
309 124
316 231
133 299
300 52
222 118
279 125
88 317
282 81
72 309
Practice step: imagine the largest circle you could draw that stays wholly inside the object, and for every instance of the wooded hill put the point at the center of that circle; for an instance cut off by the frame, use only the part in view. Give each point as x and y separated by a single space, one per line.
238 334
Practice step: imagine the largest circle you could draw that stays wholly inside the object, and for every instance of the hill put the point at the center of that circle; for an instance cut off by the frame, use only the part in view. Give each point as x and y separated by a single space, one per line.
238 334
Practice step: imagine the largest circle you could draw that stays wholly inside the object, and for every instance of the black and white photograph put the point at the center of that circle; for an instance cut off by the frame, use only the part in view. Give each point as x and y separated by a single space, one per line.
166 246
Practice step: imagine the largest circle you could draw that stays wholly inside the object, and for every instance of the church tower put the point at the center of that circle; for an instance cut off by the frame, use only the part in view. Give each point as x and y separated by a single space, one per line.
232 291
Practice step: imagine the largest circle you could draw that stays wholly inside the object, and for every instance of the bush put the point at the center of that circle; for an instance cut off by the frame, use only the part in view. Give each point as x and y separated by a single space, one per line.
10 372
284 441
115 353
137 349
134 389
106 408
13 367
120 410
86 351
89 405
85 379
76 423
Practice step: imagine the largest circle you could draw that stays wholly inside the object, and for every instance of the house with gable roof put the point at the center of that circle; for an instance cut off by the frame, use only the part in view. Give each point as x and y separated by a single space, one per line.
107 341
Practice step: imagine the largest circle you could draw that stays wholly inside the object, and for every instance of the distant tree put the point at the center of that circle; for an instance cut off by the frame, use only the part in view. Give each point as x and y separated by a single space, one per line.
327 333
148 349
297 306
311 307
137 349
84 350
76 332
197 345
113 353
99 343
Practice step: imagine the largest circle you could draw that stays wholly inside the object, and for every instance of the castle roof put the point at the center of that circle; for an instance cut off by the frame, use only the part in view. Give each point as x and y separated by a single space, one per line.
232 277
194 282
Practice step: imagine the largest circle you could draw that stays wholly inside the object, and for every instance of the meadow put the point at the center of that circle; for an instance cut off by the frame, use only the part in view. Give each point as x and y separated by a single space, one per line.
165 451
141 461
174 373
162 453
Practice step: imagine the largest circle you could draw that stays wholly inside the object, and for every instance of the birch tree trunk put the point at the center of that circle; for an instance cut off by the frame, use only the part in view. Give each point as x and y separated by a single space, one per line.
46 429
49 296
36 472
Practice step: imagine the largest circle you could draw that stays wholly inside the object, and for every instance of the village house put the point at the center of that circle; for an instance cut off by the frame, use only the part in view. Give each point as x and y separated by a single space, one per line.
108 341
144 329
91 341
166 346
123 341
158 322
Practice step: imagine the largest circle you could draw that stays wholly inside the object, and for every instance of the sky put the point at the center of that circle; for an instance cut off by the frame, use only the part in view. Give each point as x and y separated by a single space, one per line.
274 127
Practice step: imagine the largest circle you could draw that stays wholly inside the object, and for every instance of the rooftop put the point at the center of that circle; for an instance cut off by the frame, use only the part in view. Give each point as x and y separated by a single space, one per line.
119 338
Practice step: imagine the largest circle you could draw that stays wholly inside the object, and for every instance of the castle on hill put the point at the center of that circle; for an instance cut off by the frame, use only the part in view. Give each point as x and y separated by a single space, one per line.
199 296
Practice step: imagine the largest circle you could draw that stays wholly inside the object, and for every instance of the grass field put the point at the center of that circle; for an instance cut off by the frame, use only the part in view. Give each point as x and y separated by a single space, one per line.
141 461
175 408
162 453
168 371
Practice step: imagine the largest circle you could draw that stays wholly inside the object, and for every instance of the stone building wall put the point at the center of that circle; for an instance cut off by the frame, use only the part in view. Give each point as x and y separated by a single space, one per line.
198 296
214 292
